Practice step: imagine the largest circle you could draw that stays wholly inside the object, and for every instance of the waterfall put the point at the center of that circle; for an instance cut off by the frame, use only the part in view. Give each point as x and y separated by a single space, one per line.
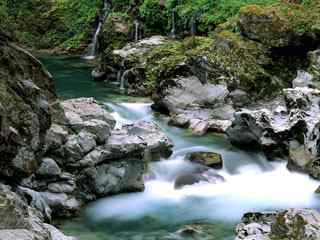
93 46
123 80
193 26
173 22
136 32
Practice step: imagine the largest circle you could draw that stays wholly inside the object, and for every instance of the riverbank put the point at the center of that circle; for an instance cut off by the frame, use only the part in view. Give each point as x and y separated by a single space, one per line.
252 182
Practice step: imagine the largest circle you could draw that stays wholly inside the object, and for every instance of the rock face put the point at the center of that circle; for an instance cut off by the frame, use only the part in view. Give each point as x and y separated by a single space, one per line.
26 91
298 224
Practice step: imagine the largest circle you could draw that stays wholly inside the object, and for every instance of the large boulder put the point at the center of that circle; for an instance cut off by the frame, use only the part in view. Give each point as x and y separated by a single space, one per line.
26 91
276 26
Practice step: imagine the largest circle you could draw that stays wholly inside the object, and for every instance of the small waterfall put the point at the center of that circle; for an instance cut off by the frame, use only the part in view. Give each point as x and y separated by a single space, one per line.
123 80
93 46
136 31
119 74
193 26
173 22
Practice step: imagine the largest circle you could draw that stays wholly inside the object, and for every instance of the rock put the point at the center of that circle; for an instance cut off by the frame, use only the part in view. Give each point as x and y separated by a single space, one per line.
48 168
36 201
191 93
209 159
219 126
140 47
77 146
287 127
188 179
25 115
62 187
141 135
16 234
56 137
98 75
298 224
108 179
239 98
25 222
86 109
256 225
202 174
271 26
61 204
55 234
179 120
199 127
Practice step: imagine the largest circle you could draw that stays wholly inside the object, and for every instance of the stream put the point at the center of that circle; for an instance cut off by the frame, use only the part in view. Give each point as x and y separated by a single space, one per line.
252 183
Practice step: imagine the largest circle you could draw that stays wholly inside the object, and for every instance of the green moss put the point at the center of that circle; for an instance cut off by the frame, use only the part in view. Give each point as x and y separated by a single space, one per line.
170 60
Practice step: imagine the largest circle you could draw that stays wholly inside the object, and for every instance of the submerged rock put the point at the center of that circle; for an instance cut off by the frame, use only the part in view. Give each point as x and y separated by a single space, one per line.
209 159
205 175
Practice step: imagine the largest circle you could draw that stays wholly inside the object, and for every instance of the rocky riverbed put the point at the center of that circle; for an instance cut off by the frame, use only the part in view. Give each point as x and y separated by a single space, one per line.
137 168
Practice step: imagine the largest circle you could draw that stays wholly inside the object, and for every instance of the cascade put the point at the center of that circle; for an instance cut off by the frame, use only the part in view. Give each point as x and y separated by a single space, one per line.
93 46
173 29
136 32
193 26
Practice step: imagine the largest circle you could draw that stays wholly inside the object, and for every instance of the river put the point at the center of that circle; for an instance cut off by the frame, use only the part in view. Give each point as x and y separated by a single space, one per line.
252 183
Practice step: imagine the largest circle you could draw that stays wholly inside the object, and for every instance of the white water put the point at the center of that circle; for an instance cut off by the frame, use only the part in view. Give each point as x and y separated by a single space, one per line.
173 24
252 183
136 30
92 48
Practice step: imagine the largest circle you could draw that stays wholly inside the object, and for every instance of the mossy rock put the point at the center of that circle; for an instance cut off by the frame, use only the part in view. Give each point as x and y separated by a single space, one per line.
209 159
241 63
279 25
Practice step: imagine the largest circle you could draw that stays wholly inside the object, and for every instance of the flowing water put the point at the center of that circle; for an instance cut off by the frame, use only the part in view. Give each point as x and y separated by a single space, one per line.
252 183
93 46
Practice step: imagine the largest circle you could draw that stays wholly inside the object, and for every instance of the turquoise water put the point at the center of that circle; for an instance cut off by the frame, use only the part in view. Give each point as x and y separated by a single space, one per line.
252 183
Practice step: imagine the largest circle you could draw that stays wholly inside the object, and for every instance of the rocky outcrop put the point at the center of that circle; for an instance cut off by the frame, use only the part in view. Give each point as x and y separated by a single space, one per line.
289 128
298 224
26 92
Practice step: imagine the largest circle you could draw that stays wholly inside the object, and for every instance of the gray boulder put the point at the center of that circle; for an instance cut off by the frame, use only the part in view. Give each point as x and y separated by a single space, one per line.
48 168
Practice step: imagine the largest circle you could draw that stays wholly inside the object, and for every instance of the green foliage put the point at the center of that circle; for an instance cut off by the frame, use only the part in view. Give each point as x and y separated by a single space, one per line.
49 24
154 16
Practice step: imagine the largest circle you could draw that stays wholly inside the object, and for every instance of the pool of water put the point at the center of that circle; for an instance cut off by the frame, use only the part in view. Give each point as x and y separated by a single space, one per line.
252 183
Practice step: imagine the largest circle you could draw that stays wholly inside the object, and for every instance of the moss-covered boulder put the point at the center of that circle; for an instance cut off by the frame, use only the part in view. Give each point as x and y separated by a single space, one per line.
279 25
